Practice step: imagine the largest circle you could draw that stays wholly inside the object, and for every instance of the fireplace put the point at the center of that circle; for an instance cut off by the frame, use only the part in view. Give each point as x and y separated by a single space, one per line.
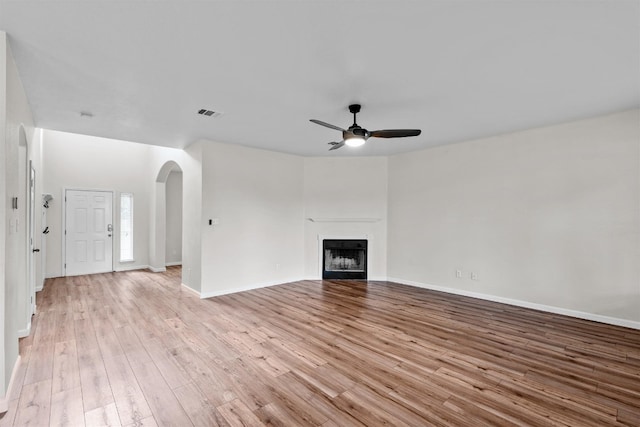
344 259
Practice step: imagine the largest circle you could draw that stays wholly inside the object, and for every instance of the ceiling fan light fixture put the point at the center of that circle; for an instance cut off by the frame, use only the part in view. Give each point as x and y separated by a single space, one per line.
354 141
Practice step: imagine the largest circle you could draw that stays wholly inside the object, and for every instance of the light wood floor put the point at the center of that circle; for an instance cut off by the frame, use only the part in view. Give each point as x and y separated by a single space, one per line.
134 349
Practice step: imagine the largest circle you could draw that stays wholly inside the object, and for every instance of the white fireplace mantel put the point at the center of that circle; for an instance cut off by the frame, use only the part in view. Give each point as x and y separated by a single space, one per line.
344 219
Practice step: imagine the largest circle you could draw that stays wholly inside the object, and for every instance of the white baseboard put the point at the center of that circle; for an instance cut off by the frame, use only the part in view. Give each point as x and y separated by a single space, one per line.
173 264
519 303
130 267
25 332
157 270
4 400
253 286
190 290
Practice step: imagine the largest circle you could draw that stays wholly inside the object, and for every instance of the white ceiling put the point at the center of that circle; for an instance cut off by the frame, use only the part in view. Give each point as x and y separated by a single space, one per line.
458 70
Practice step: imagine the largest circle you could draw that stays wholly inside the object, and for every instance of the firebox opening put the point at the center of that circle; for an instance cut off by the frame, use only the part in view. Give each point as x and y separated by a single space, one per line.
344 259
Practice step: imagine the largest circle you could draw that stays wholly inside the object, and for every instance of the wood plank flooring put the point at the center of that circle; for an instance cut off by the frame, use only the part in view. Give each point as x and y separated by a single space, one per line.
133 349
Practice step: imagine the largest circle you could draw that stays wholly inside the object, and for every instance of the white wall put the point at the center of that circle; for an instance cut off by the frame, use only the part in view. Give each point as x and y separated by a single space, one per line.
549 216
192 223
174 219
346 197
6 349
15 117
257 197
40 239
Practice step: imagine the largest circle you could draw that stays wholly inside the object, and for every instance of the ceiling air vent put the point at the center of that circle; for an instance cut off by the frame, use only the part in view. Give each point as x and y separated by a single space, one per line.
209 113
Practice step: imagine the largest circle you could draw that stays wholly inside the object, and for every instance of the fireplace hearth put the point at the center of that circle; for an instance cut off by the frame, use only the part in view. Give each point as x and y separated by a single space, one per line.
344 259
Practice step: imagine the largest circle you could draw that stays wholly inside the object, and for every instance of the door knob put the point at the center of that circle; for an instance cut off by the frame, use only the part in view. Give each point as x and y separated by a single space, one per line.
36 250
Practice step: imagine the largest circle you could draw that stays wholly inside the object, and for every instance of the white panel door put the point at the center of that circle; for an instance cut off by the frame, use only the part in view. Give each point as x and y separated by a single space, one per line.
89 232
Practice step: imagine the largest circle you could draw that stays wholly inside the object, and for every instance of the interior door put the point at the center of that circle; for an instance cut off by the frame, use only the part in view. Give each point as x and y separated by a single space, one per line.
89 232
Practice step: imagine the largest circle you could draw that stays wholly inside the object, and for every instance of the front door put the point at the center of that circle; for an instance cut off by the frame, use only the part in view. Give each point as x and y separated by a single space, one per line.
89 231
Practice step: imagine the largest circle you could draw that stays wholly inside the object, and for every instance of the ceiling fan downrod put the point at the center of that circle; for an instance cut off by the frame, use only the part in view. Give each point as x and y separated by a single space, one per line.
354 109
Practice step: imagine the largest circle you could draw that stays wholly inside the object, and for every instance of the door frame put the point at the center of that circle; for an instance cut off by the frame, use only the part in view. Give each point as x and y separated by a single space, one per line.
31 238
63 261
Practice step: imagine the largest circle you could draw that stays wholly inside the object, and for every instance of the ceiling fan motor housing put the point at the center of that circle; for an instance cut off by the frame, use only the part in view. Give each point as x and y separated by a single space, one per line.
358 131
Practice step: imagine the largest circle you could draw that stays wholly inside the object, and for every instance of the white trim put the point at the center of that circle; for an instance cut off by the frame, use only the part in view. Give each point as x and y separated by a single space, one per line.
41 287
172 264
130 267
4 400
31 242
322 237
157 270
250 287
519 303
190 290
26 331
343 219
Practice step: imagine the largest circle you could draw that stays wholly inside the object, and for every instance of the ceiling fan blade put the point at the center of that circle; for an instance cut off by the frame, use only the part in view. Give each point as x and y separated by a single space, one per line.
394 133
336 145
321 123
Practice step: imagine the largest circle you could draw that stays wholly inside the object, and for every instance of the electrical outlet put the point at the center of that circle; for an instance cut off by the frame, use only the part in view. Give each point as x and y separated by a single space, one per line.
459 274
474 276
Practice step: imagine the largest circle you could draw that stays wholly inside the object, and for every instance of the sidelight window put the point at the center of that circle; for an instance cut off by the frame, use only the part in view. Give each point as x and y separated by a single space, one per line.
126 227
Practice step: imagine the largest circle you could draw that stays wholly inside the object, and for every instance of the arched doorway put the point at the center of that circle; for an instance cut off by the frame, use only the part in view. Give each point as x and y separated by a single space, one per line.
173 235
168 189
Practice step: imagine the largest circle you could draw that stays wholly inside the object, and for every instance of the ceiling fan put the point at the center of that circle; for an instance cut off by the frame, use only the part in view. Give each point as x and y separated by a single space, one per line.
356 135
